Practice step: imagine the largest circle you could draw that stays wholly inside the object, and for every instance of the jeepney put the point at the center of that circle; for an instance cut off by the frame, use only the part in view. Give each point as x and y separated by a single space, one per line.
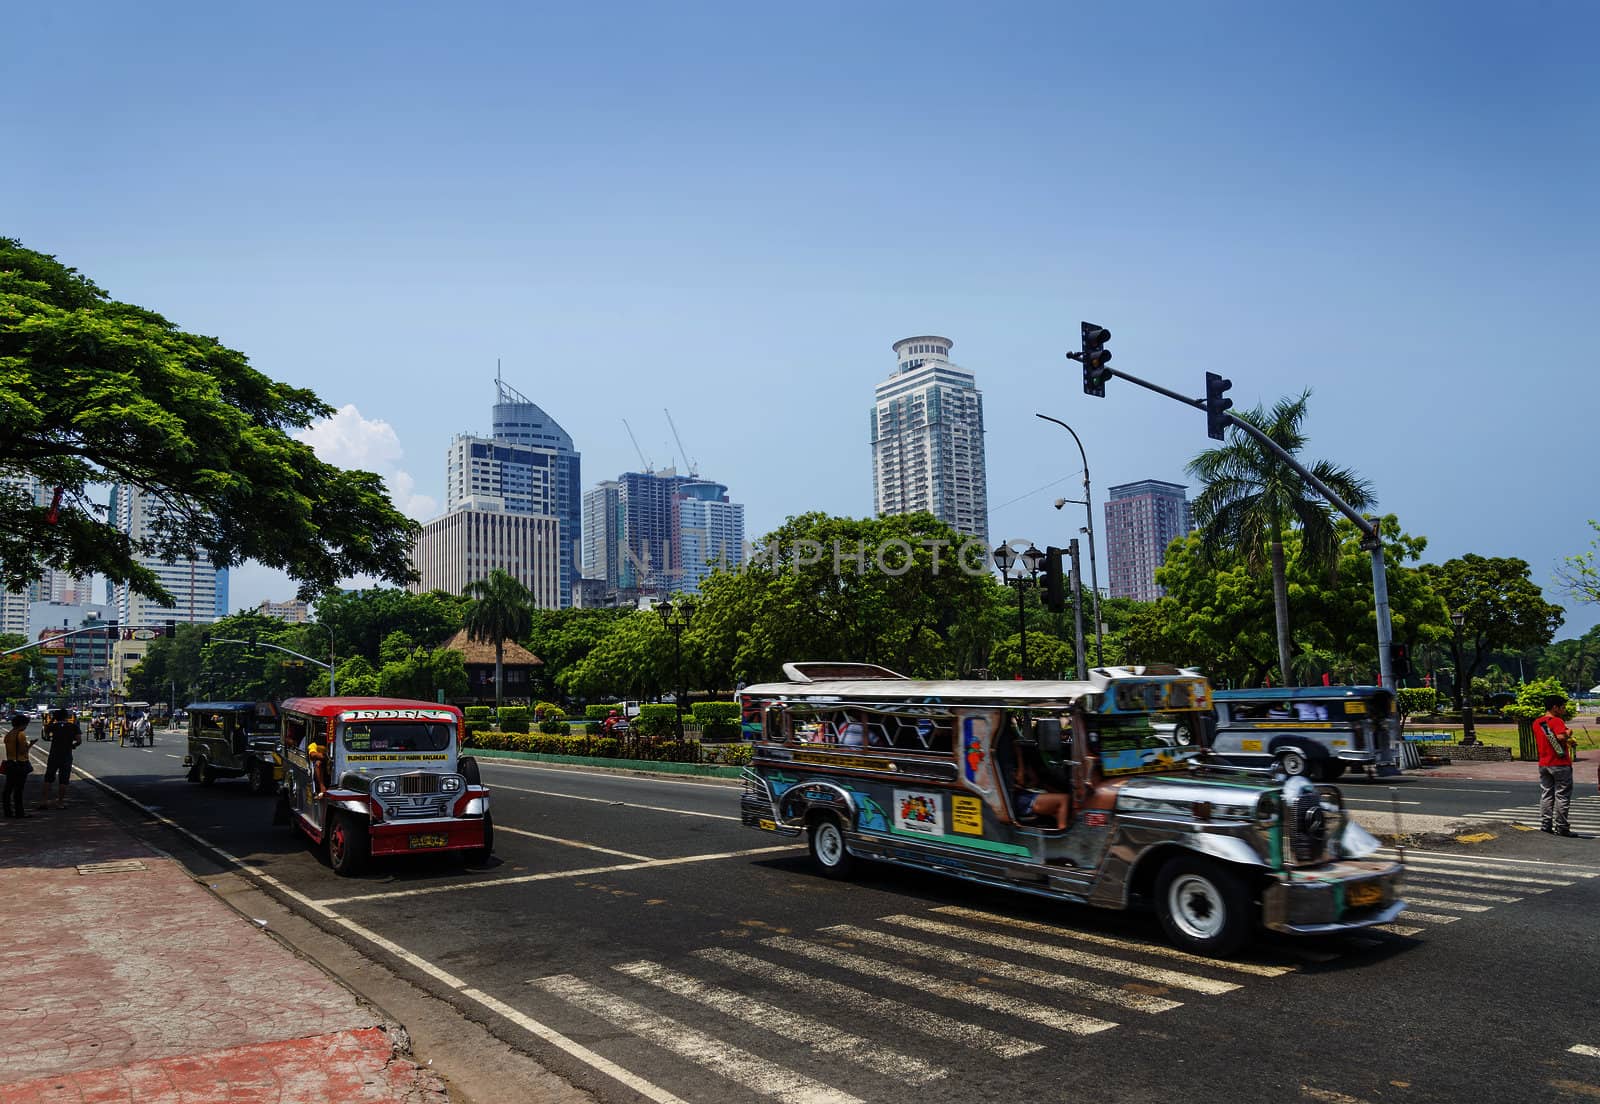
233 739
381 776
1317 731
868 764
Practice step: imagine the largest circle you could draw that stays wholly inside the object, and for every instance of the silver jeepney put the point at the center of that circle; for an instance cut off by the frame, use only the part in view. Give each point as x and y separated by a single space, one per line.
869 765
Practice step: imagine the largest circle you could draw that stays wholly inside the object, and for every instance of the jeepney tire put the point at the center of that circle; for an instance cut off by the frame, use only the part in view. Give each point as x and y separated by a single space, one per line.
347 845
826 841
1203 906
468 768
193 773
260 778
1291 760
204 772
477 856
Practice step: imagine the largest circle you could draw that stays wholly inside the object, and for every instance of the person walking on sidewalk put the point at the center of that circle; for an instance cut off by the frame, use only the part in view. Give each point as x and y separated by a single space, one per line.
1556 747
17 765
64 734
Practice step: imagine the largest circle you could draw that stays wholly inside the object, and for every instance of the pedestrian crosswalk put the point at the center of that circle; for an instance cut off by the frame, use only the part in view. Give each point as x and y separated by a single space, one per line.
1584 814
851 1011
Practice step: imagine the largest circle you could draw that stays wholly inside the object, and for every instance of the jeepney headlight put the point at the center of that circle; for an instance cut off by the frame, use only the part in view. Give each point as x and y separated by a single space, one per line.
450 783
385 787
1266 809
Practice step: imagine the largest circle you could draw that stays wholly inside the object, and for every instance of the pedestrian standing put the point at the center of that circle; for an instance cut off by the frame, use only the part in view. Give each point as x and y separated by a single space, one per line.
64 734
1556 747
17 765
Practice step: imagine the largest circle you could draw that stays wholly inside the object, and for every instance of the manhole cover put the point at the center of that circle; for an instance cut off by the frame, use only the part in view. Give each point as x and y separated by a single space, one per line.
120 866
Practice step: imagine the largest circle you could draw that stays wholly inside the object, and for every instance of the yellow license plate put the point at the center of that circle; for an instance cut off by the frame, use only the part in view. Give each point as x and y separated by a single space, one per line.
429 839
769 825
1366 893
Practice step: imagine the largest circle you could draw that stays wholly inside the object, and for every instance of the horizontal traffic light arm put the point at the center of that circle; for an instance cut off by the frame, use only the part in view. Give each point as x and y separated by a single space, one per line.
47 641
324 664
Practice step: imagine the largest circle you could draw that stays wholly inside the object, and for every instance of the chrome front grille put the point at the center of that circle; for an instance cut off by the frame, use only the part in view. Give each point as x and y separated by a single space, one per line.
412 784
415 807
1305 824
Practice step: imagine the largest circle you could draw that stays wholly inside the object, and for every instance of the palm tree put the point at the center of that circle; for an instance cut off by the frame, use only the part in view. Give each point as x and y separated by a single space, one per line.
502 608
1249 498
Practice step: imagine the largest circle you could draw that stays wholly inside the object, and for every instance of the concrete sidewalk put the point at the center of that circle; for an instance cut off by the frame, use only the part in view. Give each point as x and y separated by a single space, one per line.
128 981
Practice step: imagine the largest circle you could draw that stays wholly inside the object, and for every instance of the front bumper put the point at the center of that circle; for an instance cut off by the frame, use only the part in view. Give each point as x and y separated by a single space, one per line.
416 837
1336 896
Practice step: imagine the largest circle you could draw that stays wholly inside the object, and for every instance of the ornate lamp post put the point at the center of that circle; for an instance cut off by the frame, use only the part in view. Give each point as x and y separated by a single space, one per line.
675 619
1028 564
1469 729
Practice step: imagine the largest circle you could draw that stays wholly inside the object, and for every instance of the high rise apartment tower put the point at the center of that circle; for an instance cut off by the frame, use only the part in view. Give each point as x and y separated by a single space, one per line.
927 439
1141 520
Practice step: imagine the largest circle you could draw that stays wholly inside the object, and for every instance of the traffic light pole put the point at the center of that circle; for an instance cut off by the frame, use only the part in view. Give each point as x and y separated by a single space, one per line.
1372 537
1077 612
1094 568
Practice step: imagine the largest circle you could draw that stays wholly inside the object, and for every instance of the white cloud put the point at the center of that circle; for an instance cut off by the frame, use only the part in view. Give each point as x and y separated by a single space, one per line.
351 441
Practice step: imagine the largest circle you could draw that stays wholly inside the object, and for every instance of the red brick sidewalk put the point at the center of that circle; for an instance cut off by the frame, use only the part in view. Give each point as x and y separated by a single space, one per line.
132 983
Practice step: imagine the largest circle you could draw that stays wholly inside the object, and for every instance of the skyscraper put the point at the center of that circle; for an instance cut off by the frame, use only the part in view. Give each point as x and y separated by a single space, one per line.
710 532
659 533
519 420
476 538
193 583
927 439
1141 520
602 532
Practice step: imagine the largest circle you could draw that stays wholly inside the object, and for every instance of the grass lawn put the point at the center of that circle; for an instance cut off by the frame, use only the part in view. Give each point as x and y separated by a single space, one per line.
1505 735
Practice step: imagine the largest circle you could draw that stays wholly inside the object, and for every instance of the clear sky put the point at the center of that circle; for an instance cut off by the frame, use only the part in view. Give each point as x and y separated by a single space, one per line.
733 210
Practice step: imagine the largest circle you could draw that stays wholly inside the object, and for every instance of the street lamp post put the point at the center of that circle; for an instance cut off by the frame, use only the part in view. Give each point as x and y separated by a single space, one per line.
1469 730
675 619
1028 564
1088 512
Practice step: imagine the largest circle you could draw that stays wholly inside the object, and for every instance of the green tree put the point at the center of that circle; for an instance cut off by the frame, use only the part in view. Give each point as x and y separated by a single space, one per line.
633 660
562 639
1048 657
360 620
1216 616
1575 663
1249 499
94 391
13 668
501 610
1502 609
1579 574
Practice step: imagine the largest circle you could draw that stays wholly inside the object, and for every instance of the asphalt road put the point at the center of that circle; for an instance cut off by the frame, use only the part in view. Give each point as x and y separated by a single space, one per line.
635 939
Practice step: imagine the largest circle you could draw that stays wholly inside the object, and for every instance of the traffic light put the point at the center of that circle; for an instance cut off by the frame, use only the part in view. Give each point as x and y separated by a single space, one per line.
170 629
205 640
1217 407
1095 357
1054 591
1400 660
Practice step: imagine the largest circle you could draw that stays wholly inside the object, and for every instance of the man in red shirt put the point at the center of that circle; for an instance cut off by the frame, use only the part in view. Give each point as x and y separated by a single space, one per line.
1556 746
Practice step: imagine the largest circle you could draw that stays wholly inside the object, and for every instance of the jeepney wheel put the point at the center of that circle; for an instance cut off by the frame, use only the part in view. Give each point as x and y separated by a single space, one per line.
1292 761
826 840
347 845
193 773
1203 907
477 856
260 778
204 773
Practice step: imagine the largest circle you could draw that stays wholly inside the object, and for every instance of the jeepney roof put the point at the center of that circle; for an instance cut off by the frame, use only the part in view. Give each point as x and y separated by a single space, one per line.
332 707
956 691
222 706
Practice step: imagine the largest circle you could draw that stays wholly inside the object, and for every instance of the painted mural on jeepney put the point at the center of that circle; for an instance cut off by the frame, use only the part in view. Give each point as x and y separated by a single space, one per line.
918 813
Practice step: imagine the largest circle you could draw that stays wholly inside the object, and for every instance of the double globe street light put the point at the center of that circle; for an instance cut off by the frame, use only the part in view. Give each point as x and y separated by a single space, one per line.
1028 565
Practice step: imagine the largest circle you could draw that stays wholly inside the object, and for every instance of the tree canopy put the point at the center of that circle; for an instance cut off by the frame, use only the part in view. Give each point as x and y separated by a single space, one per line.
94 391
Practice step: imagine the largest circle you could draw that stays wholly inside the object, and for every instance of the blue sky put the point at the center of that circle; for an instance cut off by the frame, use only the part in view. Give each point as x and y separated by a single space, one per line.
734 210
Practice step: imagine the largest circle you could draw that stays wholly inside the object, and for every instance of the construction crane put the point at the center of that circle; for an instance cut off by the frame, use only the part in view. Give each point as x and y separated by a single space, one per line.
689 465
649 468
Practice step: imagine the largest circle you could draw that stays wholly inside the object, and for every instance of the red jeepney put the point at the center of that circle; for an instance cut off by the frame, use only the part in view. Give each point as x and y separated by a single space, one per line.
381 776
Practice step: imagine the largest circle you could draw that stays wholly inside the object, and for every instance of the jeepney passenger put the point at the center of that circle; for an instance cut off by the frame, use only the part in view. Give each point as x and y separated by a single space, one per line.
317 756
1031 800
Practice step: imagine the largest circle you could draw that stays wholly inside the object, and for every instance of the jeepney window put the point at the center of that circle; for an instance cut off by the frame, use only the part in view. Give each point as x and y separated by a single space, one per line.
210 722
295 729
912 728
396 736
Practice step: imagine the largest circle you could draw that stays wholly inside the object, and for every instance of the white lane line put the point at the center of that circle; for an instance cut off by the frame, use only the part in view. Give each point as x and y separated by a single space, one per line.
1153 974
1421 878
1429 917
570 843
620 804
873 1007
608 775
1485 876
1456 789
1383 803
821 1037
1539 865
1585 1050
752 1072
1121 944
583 1054
522 879
1025 1010
1329 1096
172 756
1398 929
1465 895
1459 906
1133 1002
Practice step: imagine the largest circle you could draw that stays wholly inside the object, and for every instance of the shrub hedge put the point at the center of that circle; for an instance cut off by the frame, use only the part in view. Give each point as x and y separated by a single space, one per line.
479 712
609 747
718 721
656 721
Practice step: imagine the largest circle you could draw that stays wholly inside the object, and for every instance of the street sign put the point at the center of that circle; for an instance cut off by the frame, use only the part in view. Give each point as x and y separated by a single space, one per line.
55 650
145 634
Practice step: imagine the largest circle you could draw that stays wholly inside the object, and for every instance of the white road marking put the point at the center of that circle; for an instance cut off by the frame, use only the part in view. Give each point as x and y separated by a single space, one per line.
752 1072
1430 917
1458 789
1028 1011
1398 929
1459 906
822 1037
623 804
1585 1050
569 843
1454 856
1484 875
1121 944
172 756
1328 1096
873 1007
1465 895
1420 878
1154 974
1381 802
1133 1002
521 879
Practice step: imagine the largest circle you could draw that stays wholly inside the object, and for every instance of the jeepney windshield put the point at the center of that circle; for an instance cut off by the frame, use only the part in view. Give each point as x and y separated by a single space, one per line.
396 735
1135 743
